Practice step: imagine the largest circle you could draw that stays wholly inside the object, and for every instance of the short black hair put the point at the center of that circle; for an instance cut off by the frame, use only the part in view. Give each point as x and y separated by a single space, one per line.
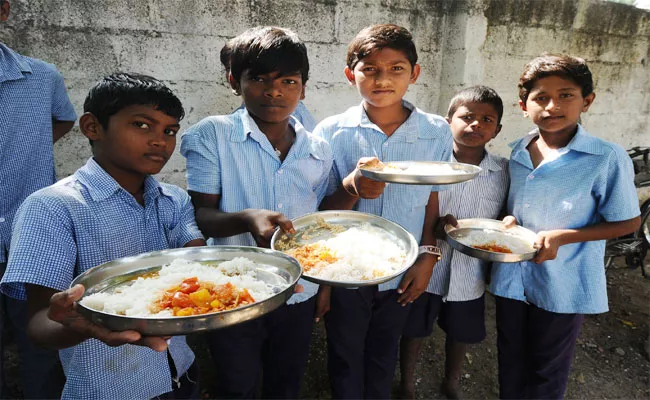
476 94
114 92
565 66
267 49
377 37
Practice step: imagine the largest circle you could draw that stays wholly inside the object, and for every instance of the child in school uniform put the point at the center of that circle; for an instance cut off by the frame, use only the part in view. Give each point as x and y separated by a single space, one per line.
301 112
110 208
575 191
249 172
364 325
455 295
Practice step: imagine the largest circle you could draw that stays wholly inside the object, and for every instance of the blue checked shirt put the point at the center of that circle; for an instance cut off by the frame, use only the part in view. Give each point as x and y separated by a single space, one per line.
587 182
422 137
229 155
32 93
458 277
302 114
85 220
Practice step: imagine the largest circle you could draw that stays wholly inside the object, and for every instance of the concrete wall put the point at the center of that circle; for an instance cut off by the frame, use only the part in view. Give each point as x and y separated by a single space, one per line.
460 43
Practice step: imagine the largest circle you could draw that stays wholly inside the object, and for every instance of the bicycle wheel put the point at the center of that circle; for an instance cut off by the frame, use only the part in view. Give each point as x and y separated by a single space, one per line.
644 233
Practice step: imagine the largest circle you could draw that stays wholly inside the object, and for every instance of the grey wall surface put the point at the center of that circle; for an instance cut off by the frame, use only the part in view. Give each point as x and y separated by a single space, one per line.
460 43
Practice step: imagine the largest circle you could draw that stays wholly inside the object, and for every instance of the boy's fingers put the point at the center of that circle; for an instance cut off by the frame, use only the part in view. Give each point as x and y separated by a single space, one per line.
158 344
298 288
285 224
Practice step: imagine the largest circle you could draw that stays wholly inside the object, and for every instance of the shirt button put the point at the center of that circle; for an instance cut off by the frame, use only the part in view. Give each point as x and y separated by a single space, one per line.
531 177
385 144
2 220
279 171
279 205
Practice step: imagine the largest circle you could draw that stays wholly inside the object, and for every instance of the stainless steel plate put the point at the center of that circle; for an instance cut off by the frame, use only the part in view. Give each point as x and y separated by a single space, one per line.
466 172
519 239
276 268
349 219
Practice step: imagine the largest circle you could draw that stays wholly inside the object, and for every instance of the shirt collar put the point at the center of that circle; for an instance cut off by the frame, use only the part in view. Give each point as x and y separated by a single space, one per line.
358 117
302 147
13 66
101 185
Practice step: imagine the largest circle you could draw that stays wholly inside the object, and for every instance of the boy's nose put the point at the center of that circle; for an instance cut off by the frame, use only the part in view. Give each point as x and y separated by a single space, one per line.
552 105
272 90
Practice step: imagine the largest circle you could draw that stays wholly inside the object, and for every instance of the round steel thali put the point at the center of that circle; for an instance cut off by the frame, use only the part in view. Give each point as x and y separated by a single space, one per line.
275 268
349 219
517 238
398 172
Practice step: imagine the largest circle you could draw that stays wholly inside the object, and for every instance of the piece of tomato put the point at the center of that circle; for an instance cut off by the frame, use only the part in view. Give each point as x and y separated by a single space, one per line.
181 300
190 285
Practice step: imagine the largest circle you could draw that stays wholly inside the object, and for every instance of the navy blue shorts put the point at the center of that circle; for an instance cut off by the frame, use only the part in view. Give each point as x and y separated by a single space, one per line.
462 321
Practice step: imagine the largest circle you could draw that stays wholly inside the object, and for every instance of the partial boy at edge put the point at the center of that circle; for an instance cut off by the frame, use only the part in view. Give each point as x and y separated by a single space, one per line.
249 172
364 325
540 304
455 295
110 208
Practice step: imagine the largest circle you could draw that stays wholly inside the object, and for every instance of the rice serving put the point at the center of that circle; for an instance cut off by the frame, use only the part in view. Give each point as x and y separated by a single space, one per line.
419 169
139 297
359 253
490 237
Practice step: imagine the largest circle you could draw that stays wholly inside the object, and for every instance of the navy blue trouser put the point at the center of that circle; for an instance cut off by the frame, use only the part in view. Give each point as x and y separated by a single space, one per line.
535 350
275 346
363 330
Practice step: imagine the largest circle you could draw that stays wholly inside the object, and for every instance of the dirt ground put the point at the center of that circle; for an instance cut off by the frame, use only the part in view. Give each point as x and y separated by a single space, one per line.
610 362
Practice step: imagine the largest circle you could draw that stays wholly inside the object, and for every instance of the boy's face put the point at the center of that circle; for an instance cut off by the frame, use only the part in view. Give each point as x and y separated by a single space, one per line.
554 104
270 97
138 140
474 124
383 77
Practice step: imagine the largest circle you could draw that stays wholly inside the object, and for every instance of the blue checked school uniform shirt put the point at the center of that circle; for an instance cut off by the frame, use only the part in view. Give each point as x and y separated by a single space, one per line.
229 155
587 182
85 220
459 277
422 137
32 93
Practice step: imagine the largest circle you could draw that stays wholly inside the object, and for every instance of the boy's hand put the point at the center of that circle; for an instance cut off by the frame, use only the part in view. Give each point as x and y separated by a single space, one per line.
509 221
358 185
262 224
322 301
548 243
63 310
416 279
439 229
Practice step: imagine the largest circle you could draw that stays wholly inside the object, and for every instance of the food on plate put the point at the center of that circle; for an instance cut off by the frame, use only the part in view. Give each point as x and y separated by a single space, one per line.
184 288
493 247
414 168
358 253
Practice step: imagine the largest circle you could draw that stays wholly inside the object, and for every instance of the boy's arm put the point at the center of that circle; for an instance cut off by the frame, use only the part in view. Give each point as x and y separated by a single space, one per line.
417 278
60 128
54 322
215 223
353 187
550 241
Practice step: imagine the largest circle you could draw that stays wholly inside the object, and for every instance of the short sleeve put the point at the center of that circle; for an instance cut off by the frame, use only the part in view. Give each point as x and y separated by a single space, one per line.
186 229
618 199
43 249
200 149
334 179
62 108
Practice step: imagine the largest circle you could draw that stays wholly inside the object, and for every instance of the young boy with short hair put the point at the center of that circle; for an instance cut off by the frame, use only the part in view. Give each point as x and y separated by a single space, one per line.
455 295
364 324
249 172
109 208
540 304
301 113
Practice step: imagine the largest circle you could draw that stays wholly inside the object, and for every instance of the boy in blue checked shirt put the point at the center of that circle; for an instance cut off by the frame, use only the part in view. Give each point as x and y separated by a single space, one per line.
301 113
35 112
247 173
575 191
455 295
110 208
364 325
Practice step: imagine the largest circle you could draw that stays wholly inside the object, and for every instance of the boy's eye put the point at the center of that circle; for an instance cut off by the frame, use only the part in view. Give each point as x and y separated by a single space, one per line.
488 119
171 132
142 125
290 81
257 79
540 98
368 69
398 68
466 117
566 95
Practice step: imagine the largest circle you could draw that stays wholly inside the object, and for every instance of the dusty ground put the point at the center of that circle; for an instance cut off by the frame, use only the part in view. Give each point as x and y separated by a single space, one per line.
610 361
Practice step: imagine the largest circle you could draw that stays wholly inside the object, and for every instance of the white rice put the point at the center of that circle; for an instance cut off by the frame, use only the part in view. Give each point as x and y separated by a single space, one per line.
135 300
422 169
365 253
475 237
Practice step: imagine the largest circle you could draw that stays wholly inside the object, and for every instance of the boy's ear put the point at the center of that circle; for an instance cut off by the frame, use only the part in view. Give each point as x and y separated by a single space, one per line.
415 73
350 75
588 101
496 131
4 10
302 94
233 84
448 120
90 126
522 105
